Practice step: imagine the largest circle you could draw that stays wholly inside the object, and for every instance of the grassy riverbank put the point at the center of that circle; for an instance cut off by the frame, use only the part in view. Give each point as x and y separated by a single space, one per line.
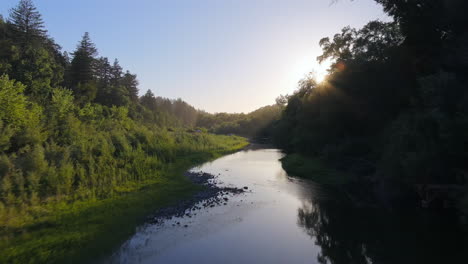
73 232
313 169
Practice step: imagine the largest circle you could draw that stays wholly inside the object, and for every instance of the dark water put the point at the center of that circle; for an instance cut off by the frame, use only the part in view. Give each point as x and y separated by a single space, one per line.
287 220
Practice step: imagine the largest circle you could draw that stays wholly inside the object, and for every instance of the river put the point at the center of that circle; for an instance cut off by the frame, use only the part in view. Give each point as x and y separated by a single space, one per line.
283 219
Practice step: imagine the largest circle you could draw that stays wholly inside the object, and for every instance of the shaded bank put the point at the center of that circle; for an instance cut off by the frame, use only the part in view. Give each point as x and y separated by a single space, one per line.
353 178
353 224
313 169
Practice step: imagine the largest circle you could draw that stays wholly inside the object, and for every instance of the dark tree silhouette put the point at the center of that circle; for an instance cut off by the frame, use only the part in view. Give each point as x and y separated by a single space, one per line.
27 21
82 67
83 62
130 82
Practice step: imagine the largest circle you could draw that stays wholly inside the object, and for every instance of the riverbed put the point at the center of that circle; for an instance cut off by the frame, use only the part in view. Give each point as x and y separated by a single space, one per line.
284 219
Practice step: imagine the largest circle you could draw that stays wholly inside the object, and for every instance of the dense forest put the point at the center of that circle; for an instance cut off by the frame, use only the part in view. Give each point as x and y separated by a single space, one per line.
393 108
75 124
74 128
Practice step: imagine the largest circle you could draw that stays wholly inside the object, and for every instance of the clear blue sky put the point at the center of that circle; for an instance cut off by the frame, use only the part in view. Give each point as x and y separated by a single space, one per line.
218 55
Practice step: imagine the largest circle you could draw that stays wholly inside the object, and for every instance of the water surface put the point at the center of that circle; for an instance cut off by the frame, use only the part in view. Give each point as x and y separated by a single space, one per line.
282 219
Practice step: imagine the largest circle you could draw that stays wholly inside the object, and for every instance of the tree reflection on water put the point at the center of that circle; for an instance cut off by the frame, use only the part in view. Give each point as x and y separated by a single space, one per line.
349 235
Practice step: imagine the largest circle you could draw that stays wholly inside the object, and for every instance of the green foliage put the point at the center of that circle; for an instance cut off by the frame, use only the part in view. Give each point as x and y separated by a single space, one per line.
61 219
85 230
27 55
81 154
61 103
13 104
75 136
65 153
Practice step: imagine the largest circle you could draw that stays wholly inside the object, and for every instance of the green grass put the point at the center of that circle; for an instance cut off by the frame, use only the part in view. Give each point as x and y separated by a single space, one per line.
80 231
313 169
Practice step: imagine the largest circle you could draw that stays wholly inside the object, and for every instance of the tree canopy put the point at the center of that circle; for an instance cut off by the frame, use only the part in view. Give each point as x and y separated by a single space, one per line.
27 22
394 103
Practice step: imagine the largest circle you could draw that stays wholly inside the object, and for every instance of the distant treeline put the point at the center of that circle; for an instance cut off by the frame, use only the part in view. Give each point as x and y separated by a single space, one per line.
394 107
256 124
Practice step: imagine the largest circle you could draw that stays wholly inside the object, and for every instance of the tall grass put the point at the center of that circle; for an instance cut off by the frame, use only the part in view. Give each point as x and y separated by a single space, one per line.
99 190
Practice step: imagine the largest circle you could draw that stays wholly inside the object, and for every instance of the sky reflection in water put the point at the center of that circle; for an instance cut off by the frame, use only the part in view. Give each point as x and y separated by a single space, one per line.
288 220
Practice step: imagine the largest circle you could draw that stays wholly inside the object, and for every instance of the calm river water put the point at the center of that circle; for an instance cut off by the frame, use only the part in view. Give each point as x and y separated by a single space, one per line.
282 219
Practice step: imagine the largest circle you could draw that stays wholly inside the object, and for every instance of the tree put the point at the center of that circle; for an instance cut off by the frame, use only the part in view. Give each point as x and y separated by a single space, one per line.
429 27
115 73
13 104
281 100
5 48
25 48
3 28
82 65
82 69
27 21
103 75
373 42
130 82
149 101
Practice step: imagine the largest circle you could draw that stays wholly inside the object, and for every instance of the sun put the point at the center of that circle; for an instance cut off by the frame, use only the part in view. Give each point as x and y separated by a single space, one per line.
320 71
320 76
306 66
303 67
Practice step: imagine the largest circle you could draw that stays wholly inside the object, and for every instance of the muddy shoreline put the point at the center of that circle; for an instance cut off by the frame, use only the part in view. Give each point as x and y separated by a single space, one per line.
210 196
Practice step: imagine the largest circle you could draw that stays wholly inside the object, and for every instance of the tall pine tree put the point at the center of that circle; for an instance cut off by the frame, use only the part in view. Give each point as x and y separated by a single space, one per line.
27 22
131 84
29 49
82 72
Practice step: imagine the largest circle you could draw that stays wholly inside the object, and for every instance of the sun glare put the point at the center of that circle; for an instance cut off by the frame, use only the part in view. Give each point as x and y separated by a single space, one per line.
305 67
309 67
320 70
320 77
